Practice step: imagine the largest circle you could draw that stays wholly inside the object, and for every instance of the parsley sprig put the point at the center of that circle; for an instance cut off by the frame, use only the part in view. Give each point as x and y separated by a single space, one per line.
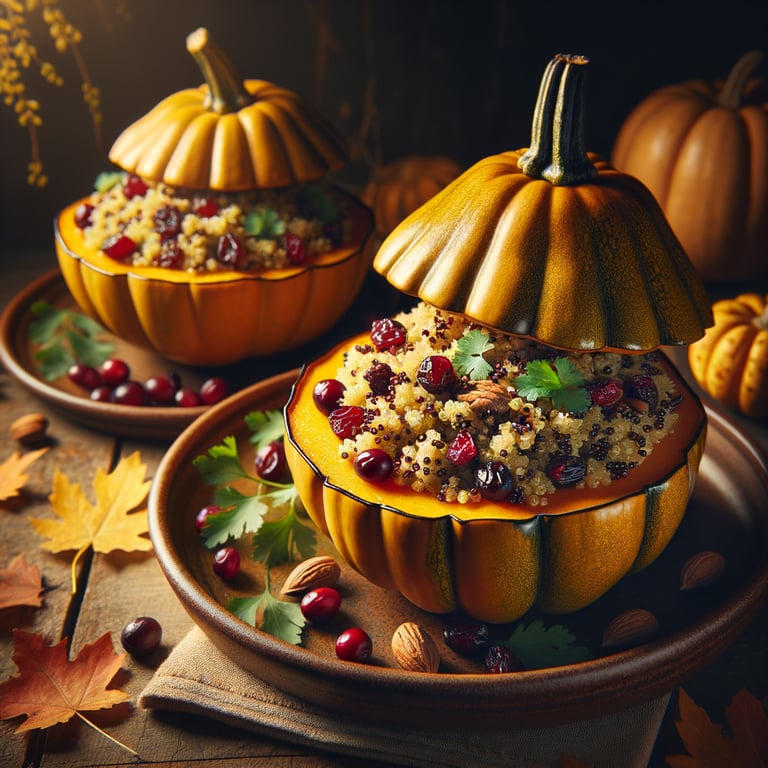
559 380
537 646
468 359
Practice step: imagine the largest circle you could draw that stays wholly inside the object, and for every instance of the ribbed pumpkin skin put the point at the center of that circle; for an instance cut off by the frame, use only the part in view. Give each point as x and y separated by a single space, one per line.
706 163
493 561
580 266
731 361
216 318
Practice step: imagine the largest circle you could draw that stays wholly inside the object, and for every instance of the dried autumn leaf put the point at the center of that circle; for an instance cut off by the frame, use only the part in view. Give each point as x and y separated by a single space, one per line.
109 524
12 472
20 584
50 689
709 747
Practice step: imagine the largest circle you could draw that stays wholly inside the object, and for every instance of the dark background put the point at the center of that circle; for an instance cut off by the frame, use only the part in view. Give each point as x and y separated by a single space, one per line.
422 76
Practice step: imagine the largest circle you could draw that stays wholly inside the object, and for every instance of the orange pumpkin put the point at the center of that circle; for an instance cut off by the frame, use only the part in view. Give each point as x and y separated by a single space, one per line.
731 361
702 149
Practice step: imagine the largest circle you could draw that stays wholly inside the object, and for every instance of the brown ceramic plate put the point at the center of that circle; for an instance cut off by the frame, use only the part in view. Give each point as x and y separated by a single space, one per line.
17 354
728 513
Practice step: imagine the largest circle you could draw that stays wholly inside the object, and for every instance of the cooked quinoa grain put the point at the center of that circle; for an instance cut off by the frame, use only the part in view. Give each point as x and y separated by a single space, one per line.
482 434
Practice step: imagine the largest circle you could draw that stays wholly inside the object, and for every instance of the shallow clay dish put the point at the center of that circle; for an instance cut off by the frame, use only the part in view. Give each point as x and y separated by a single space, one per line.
728 513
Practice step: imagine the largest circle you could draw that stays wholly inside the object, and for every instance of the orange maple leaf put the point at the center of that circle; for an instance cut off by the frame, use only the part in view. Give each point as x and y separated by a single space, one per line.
709 747
110 524
12 476
20 584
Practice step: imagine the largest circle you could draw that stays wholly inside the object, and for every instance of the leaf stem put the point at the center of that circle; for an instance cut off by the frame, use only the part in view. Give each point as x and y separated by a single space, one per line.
106 735
80 552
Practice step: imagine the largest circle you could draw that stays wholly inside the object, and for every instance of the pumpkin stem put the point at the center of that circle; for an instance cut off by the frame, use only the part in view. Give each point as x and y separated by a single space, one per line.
557 152
730 96
225 87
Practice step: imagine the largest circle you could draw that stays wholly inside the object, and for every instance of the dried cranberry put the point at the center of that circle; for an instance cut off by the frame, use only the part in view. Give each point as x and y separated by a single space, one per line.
83 215
468 637
327 395
374 465
436 374
133 186
387 334
205 207
565 470
500 659
641 393
229 250
270 462
295 249
378 376
494 481
605 392
167 221
118 247
346 421
171 255
462 448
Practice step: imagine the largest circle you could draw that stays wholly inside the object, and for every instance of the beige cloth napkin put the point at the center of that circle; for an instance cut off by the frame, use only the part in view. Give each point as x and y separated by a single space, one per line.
196 677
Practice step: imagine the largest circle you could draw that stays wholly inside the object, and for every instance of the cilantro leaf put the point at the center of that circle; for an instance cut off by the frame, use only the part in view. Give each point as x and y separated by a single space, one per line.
278 541
222 464
240 513
267 427
278 617
468 359
559 380
537 646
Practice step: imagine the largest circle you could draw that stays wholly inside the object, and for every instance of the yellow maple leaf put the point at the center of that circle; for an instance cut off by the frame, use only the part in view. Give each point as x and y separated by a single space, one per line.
110 524
12 476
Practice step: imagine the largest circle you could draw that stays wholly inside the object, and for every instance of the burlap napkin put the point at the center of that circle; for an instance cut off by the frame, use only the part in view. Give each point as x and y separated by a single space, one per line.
196 677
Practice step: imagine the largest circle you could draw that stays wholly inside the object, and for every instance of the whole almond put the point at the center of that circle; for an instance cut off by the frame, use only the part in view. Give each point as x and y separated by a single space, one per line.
703 568
630 628
414 649
320 571
29 429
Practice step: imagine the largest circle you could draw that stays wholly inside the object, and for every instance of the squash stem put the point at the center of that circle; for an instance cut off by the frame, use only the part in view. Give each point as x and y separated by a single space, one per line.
557 152
226 92
731 95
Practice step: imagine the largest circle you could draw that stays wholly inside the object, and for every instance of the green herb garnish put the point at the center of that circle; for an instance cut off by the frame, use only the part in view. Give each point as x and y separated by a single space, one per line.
559 380
65 338
106 180
468 359
537 646
264 223
266 426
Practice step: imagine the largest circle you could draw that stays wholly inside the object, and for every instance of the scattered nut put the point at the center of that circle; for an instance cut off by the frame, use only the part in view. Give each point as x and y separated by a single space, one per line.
630 628
703 568
29 429
320 571
414 649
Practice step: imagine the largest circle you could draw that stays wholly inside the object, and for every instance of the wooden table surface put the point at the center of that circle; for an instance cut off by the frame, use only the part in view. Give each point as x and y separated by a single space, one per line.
115 588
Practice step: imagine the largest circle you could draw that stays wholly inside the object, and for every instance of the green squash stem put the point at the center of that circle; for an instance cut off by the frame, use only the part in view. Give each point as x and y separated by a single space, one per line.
226 92
557 152
731 95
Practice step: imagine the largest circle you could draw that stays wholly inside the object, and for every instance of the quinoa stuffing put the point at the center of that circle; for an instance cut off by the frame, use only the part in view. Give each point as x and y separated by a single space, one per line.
447 407
147 224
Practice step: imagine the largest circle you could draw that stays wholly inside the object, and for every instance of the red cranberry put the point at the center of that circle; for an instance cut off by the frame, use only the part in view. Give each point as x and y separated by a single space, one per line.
202 515
295 249
226 563
171 255
213 390
160 390
374 465
167 221
141 636
379 378
206 207
102 394
85 376
187 398
320 604
605 392
565 470
462 448
133 186
118 247
327 395
500 659
114 371
494 481
346 421
229 250
354 644
270 462
436 374
468 637
387 334
83 215
129 393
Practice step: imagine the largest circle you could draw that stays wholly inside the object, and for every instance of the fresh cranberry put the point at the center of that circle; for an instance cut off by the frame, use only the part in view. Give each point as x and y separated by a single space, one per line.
387 334
467 637
83 215
229 250
374 465
171 255
295 249
133 186
85 376
346 421
270 462
565 470
141 636
354 644
102 394
327 395
206 207
167 221
500 659
494 481
379 378
118 247
160 390
202 515
462 448
187 398
213 390
320 604
114 371
129 393
436 374
226 563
